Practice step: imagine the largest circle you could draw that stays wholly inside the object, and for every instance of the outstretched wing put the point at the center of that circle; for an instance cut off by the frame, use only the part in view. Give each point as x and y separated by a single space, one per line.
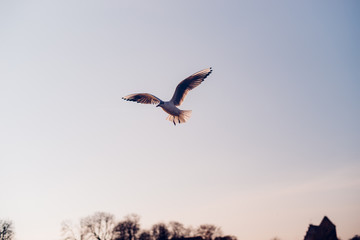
145 98
188 84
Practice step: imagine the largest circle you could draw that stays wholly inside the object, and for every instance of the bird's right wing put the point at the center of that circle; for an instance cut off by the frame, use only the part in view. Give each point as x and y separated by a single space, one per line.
145 98
188 84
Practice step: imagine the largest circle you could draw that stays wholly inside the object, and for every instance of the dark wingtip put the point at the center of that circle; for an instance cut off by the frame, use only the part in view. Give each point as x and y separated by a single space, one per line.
209 72
127 99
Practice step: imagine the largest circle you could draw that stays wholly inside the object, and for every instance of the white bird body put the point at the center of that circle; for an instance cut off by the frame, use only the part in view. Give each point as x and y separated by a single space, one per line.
170 108
175 114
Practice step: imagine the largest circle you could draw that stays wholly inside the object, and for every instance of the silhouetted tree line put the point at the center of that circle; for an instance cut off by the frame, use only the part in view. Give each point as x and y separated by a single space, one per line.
102 226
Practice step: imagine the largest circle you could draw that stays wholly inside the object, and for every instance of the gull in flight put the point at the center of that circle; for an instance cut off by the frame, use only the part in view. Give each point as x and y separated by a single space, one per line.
175 114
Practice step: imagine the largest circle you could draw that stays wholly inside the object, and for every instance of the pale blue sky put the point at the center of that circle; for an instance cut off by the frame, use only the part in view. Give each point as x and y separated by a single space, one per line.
272 145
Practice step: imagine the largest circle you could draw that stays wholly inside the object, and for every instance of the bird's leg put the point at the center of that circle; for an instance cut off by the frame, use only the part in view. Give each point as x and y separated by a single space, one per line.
174 122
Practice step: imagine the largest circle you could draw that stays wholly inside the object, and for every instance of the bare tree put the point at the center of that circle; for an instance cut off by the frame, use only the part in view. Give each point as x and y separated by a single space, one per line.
145 235
208 231
160 232
177 230
128 228
6 230
97 227
190 231
71 232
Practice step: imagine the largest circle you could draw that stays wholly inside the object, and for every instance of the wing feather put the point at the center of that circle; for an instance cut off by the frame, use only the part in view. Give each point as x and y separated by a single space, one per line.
188 84
145 98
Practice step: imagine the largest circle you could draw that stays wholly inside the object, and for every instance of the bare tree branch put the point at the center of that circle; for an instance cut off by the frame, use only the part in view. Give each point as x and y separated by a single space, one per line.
6 230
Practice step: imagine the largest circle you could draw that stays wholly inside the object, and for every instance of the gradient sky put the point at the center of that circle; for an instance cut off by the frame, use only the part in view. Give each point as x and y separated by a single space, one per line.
274 139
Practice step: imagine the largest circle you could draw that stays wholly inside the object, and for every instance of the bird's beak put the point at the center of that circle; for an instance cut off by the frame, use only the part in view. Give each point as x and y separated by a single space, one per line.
158 105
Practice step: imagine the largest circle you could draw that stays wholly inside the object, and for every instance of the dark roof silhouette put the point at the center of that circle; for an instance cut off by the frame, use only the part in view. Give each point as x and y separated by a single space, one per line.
325 231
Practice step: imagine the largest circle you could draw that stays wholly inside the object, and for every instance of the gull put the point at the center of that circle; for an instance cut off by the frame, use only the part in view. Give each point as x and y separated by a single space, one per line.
175 114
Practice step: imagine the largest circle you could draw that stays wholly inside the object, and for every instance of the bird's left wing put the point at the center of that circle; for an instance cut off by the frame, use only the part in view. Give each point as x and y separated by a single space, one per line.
188 84
145 98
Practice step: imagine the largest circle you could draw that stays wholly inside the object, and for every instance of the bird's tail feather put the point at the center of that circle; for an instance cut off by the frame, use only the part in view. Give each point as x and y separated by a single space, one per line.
182 118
